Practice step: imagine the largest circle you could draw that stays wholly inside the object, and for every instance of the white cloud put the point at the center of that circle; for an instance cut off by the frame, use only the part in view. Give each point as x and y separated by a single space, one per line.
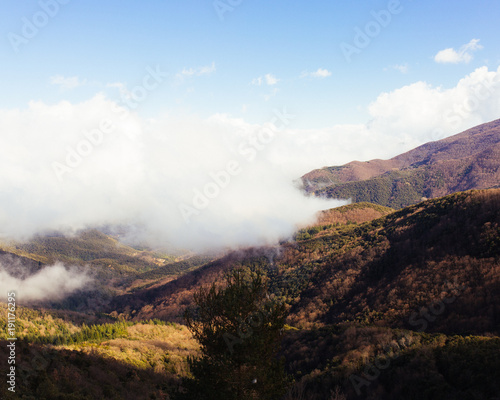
198 71
141 171
463 55
66 83
319 73
50 283
268 79
419 110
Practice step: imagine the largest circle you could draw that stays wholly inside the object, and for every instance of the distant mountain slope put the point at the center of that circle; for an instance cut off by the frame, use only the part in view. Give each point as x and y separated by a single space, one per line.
468 160
382 271
115 268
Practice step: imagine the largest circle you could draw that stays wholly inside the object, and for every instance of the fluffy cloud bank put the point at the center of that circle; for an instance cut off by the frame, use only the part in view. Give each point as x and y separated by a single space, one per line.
188 182
198 183
51 283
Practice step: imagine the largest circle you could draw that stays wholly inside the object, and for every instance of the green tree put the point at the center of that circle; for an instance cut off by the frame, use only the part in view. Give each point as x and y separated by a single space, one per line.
239 327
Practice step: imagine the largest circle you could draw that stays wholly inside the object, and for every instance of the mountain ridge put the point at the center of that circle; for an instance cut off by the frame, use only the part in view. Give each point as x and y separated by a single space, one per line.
468 160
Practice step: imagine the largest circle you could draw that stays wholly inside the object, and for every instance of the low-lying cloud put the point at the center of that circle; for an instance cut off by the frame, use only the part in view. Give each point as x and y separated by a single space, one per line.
202 183
51 283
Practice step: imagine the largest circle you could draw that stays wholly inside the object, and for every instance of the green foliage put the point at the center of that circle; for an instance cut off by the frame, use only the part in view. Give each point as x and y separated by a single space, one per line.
363 205
91 334
308 233
395 189
239 328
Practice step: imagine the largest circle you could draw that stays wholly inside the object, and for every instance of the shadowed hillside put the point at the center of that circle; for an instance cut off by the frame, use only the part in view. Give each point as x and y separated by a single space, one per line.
384 364
391 271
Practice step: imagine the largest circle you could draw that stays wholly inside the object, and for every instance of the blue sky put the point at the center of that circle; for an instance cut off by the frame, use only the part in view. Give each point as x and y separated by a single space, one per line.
114 41
192 119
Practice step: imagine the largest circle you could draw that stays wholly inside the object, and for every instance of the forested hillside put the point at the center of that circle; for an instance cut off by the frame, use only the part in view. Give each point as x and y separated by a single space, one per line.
405 306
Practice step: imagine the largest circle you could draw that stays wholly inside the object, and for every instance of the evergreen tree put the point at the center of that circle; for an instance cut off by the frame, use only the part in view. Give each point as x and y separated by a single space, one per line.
239 328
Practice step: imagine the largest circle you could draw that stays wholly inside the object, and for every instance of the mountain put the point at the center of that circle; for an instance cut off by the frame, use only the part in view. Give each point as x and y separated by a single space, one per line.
378 272
468 160
166 301
402 306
